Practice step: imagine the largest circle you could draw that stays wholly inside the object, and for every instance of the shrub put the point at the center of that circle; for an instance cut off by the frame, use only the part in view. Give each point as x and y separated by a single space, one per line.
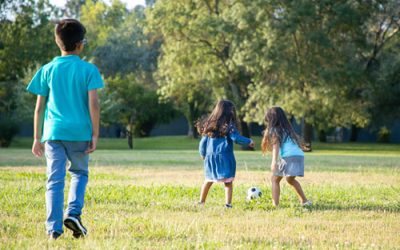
8 129
383 135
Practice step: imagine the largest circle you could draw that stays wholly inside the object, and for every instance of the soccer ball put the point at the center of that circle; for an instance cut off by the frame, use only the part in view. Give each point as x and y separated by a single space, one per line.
253 193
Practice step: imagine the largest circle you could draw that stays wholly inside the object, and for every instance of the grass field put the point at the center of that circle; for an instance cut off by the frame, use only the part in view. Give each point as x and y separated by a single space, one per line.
145 199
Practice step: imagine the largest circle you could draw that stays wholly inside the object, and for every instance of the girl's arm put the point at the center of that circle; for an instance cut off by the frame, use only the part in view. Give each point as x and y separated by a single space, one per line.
275 157
203 146
37 147
237 138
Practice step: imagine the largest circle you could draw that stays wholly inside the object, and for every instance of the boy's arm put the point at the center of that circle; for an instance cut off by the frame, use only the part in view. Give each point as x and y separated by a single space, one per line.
37 147
94 110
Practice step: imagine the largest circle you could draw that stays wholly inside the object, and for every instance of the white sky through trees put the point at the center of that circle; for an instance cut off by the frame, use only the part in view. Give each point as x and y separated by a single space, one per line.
129 3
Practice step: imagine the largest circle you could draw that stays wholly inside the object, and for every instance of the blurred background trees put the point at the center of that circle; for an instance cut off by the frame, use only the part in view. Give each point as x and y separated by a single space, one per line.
327 63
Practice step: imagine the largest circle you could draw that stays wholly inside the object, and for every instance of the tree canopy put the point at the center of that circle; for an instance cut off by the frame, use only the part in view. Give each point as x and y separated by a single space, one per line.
327 63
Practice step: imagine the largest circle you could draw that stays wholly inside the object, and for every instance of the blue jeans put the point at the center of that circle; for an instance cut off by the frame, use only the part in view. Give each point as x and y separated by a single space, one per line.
58 153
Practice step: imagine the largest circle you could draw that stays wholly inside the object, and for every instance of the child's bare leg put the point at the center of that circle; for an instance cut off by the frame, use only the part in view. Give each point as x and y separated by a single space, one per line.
276 189
228 192
204 190
297 187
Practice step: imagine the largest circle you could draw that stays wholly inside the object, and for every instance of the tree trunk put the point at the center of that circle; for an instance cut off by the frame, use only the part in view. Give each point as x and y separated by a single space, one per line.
190 117
245 132
129 133
307 131
192 131
353 133
322 135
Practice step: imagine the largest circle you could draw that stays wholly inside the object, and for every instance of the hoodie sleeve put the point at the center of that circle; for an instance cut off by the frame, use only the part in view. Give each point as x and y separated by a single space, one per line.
233 133
203 146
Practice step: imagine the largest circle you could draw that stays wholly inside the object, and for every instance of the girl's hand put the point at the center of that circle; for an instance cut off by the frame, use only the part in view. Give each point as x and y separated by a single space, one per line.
37 148
251 144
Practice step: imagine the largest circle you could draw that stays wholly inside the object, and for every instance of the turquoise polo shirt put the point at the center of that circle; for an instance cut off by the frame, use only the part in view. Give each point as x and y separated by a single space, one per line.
66 81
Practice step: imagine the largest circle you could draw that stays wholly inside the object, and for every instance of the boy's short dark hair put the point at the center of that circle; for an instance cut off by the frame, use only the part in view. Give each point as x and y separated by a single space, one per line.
68 33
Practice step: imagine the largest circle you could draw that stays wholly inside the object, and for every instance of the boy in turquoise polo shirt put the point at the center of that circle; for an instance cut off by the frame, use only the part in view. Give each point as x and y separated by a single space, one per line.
66 125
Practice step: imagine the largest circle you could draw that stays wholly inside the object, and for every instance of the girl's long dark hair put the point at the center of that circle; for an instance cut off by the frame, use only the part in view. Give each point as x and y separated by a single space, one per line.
278 130
217 123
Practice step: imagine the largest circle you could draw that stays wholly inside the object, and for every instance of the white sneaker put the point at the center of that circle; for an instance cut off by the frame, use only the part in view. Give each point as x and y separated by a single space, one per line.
307 203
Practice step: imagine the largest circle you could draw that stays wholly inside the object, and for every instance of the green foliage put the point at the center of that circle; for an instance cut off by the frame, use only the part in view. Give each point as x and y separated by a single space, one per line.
127 49
102 21
305 65
383 135
26 40
199 47
131 101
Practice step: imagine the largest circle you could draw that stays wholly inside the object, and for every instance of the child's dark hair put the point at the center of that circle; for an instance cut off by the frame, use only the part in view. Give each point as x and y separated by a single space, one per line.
217 124
278 130
69 32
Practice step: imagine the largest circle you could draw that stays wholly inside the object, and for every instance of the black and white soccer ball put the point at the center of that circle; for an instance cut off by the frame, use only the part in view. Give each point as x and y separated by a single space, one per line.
253 193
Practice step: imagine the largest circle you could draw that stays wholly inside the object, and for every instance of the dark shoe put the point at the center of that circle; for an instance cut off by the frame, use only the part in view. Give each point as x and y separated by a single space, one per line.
75 225
54 236
228 205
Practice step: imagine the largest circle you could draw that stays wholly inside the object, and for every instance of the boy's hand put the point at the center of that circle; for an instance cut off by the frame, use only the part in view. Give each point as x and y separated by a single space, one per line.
92 145
202 157
37 148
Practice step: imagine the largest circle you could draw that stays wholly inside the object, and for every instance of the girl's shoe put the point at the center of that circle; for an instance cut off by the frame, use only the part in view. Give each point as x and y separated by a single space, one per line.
307 203
228 205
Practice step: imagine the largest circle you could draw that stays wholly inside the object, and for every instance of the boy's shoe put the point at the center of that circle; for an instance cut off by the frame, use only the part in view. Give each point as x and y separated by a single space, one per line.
228 205
74 223
306 204
54 235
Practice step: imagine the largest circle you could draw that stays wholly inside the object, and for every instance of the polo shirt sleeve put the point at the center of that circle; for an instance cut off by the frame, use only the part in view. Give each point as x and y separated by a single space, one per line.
95 80
38 84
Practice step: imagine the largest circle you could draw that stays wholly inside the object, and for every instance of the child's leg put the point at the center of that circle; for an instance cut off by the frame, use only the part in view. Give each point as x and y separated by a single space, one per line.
297 187
56 159
228 192
204 190
276 189
79 176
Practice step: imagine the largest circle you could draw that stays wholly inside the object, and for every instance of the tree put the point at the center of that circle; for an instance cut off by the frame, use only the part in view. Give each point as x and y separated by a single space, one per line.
130 102
203 31
127 49
304 58
103 21
184 87
382 64
26 40
73 8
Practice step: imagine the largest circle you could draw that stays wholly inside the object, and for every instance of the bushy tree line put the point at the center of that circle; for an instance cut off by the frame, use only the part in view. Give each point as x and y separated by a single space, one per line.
327 63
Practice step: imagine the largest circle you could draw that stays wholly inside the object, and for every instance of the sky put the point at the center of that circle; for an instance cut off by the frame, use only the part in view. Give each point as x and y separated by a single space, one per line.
130 3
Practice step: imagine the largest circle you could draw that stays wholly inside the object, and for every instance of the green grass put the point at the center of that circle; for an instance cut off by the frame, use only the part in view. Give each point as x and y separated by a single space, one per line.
144 199
187 143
